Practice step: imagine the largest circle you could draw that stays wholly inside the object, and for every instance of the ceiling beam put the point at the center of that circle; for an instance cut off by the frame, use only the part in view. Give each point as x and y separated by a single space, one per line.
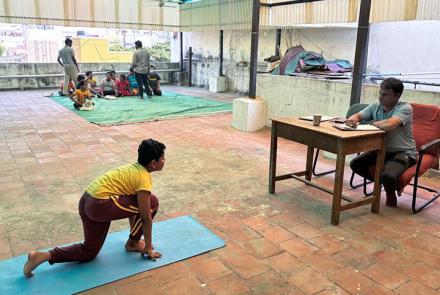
286 3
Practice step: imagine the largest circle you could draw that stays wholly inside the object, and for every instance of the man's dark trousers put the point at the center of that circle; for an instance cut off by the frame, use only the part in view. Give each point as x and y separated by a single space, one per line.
142 79
395 164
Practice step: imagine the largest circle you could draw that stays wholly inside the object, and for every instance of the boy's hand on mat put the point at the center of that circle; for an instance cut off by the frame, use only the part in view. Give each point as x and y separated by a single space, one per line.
152 255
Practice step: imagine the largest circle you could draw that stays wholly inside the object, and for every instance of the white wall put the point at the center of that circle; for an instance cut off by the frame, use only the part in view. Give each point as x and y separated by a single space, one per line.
332 42
406 47
236 44
395 47
296 96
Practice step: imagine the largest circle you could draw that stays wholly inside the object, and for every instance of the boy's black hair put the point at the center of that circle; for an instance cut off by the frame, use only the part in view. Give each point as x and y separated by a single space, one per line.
68 41
80 78
138 43
131 69
108 73
394 84
88 73
112 72
150 150
122 76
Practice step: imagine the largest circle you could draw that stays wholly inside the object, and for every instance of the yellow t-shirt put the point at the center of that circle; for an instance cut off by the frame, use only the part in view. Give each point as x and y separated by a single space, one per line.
81 95
91 81
125 180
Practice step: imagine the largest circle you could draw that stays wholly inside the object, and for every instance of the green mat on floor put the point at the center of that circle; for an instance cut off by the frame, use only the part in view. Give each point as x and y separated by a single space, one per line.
131 109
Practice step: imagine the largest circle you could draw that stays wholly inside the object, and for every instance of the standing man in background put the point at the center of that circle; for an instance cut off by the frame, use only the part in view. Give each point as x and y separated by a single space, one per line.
141 66
66 58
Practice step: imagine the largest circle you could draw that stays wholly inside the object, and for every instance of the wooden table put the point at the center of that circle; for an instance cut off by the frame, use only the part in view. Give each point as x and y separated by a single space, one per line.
328 138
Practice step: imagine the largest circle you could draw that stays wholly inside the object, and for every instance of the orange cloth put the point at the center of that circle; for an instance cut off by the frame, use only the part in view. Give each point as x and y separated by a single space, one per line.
81 95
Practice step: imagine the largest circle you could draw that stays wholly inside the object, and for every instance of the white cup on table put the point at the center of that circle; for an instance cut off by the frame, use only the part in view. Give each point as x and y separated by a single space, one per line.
317 119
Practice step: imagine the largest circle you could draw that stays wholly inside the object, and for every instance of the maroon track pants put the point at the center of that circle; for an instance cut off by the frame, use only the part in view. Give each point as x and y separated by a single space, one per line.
96 216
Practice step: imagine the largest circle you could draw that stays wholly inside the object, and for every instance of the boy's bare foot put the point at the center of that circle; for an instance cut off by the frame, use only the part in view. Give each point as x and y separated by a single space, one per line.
135 246
34 260
391 200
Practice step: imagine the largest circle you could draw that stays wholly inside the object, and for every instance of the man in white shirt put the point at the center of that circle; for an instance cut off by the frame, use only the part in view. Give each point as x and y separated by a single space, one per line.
66 58
141 66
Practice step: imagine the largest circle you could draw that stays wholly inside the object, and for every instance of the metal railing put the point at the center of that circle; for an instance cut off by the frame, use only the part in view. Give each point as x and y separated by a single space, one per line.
62 75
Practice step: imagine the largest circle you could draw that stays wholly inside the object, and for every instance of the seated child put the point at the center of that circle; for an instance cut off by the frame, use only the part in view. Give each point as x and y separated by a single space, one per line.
70 88
80 78
134 87
123 86
108 86
90 79
154 82
124 192
93 87
113 75
80 96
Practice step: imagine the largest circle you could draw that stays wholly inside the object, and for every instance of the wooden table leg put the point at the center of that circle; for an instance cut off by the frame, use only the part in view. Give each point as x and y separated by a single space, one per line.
309 163
380 157
337 191
273 158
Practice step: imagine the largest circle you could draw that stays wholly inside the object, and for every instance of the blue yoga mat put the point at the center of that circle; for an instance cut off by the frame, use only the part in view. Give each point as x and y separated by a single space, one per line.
177 239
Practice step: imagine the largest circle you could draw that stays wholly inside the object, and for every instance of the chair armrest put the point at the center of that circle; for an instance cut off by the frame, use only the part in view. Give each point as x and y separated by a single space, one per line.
435 142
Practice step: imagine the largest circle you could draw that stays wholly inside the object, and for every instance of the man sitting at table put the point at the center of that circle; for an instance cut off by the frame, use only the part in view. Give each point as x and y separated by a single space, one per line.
395 117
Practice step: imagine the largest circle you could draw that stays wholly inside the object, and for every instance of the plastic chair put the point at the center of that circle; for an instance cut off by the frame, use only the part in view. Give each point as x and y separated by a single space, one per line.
426 129
356 108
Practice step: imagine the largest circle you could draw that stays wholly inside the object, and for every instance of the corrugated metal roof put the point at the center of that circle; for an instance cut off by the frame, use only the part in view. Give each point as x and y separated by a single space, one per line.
316 26
135 14
324 14
208 15
216 15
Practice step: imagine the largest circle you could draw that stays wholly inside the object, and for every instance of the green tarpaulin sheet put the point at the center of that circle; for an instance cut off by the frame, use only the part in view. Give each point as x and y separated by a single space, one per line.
131 109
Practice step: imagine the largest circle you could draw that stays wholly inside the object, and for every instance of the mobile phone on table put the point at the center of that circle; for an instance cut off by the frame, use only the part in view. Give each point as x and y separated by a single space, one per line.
339 120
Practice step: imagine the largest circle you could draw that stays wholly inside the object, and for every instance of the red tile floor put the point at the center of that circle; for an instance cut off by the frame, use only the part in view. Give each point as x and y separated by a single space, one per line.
275 244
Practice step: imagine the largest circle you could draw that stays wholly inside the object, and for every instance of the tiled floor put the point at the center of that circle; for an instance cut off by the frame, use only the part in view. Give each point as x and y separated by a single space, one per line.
276 244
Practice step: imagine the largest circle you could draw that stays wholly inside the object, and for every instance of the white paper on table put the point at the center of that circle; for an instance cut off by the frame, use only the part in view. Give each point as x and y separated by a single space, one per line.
360 127
323 118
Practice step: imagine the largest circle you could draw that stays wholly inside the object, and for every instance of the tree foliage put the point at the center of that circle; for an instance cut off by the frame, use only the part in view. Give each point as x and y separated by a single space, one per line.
160 52
117 47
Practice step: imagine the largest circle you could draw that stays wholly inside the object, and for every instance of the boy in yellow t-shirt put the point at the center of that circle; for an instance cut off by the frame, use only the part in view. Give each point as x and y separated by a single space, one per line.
92 86
91 80
82 96
124 192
